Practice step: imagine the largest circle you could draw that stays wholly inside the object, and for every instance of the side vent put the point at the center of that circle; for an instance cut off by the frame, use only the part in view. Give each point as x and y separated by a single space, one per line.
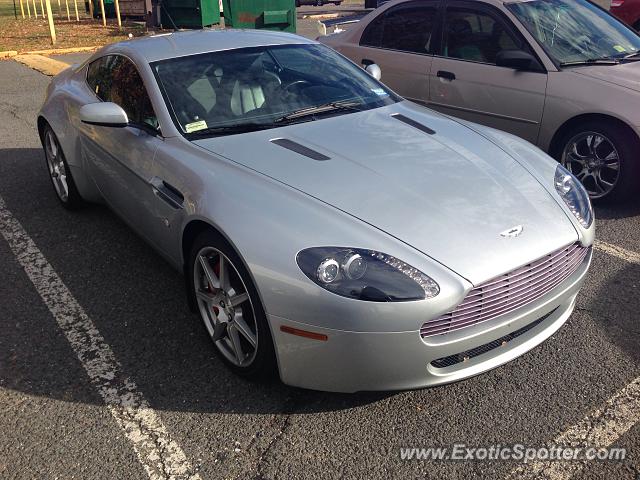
413 123
301 149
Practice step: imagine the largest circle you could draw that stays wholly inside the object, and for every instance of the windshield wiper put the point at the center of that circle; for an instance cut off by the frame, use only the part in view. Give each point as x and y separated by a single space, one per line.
316 109
592 61
635 54
232 129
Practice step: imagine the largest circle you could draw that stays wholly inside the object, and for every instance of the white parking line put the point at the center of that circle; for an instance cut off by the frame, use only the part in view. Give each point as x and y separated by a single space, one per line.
160 456
619 252
599 429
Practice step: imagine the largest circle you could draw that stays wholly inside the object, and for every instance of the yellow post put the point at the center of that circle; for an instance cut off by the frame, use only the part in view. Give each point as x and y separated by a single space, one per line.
75 6
104 17
117 5
91 9
22 8
28 9
52 29
42 8
59 8
35 9
68 14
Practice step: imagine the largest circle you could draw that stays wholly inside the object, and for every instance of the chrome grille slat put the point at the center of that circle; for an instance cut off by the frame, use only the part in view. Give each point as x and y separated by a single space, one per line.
509 292
521 286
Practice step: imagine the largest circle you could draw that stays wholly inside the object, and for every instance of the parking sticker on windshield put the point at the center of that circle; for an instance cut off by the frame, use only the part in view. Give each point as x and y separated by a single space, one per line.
619 48
380 92
195 126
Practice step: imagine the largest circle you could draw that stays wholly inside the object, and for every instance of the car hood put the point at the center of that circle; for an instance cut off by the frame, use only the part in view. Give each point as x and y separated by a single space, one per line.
625 75
449 194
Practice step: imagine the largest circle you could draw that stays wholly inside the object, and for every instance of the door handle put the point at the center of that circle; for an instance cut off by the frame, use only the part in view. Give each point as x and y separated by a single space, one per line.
167 193
446 75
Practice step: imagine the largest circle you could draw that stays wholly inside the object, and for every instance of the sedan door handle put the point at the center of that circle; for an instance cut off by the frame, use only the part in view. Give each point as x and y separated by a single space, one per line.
167 193
446 75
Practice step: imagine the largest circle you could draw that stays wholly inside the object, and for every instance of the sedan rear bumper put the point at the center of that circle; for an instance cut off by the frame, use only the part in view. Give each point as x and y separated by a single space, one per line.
355 361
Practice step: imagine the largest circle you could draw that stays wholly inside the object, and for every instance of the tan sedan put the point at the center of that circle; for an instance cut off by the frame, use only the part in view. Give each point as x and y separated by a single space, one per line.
563 74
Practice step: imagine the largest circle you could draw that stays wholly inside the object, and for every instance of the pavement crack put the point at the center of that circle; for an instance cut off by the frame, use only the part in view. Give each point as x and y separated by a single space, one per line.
13 111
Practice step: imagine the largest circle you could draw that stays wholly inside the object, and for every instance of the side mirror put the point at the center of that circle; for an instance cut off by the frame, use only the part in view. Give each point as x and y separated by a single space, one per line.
104 114
374 70
518 60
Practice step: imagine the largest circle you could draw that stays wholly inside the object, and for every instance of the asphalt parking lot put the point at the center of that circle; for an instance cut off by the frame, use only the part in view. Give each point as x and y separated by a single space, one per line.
581 387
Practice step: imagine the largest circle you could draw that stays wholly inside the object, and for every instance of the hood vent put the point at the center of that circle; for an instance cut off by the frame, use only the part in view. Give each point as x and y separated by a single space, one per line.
413 123
301 149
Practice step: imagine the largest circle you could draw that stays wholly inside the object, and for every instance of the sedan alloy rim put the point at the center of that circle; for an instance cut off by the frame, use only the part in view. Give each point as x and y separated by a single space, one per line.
595 161
225 306
56 165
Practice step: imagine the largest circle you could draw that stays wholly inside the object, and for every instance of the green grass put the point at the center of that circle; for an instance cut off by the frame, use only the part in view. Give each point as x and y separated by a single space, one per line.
6 8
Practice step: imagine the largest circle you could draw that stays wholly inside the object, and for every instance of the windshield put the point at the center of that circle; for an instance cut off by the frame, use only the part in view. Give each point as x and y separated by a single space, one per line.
575 30
263 87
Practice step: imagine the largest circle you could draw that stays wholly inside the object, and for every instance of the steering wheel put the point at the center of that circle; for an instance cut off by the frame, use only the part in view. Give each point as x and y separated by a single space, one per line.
297 84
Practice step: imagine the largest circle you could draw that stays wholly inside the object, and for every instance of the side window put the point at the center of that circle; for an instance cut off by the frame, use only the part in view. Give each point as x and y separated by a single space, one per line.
476 35
99 77
407 27
127 90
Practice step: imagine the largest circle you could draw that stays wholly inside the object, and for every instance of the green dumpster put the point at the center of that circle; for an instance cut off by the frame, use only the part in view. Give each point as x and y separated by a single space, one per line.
190 13
109 9
267 14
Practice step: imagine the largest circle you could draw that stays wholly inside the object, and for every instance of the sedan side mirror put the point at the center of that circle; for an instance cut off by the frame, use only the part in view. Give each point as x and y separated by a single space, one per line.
518 60
374 70
104 114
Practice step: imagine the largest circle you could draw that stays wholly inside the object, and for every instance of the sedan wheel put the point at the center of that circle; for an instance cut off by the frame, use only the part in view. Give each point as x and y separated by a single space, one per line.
229 307
595 161
603 156
59 173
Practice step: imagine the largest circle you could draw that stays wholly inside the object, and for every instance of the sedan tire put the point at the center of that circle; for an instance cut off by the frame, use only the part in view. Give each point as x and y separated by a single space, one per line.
603 157
59 172
230 308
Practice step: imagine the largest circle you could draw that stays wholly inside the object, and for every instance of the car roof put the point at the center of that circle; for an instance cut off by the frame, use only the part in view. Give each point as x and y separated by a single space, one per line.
182 43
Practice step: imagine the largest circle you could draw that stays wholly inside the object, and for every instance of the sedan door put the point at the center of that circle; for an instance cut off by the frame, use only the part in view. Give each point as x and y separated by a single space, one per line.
122 159
467 83
399 41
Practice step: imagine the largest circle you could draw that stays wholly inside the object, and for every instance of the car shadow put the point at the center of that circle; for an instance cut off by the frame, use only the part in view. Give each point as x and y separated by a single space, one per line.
137 302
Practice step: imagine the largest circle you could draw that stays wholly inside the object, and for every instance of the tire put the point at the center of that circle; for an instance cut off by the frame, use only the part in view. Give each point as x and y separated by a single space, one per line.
230 325
337 3
297 3
59 172
599 148
319 3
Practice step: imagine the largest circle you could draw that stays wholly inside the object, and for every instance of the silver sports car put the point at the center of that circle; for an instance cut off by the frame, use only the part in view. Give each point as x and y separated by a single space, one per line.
327 229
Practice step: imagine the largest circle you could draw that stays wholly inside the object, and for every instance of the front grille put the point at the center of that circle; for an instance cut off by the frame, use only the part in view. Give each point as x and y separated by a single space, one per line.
509 292
487 347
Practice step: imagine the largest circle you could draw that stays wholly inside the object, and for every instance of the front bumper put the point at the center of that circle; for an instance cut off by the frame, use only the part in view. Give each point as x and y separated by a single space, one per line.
355 361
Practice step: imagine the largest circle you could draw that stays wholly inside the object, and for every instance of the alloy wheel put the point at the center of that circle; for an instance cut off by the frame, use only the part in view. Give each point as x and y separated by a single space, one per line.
57 167
595 161
225 306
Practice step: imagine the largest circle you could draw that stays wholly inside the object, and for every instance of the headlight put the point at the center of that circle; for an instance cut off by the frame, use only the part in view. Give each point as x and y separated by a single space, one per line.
365 274
574 195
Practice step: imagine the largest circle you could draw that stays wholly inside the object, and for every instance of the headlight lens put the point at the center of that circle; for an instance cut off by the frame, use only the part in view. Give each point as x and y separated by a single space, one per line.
574 195
365 274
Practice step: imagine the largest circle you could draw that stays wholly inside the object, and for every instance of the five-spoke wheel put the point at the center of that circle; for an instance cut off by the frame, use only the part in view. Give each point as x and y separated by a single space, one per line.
59 172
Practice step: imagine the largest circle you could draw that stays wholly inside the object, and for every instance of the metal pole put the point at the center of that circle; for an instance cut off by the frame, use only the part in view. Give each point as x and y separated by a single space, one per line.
68 14
15 12
104 18
117 5
52 29
75 6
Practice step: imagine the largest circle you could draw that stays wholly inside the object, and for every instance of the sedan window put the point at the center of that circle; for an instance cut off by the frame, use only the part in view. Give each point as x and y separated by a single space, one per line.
407 28
576 31
476 36
239 90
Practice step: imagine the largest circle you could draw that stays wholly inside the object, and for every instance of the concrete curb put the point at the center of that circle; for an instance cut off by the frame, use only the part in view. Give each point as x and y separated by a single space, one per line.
60 51
8 53
321 16
42 64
